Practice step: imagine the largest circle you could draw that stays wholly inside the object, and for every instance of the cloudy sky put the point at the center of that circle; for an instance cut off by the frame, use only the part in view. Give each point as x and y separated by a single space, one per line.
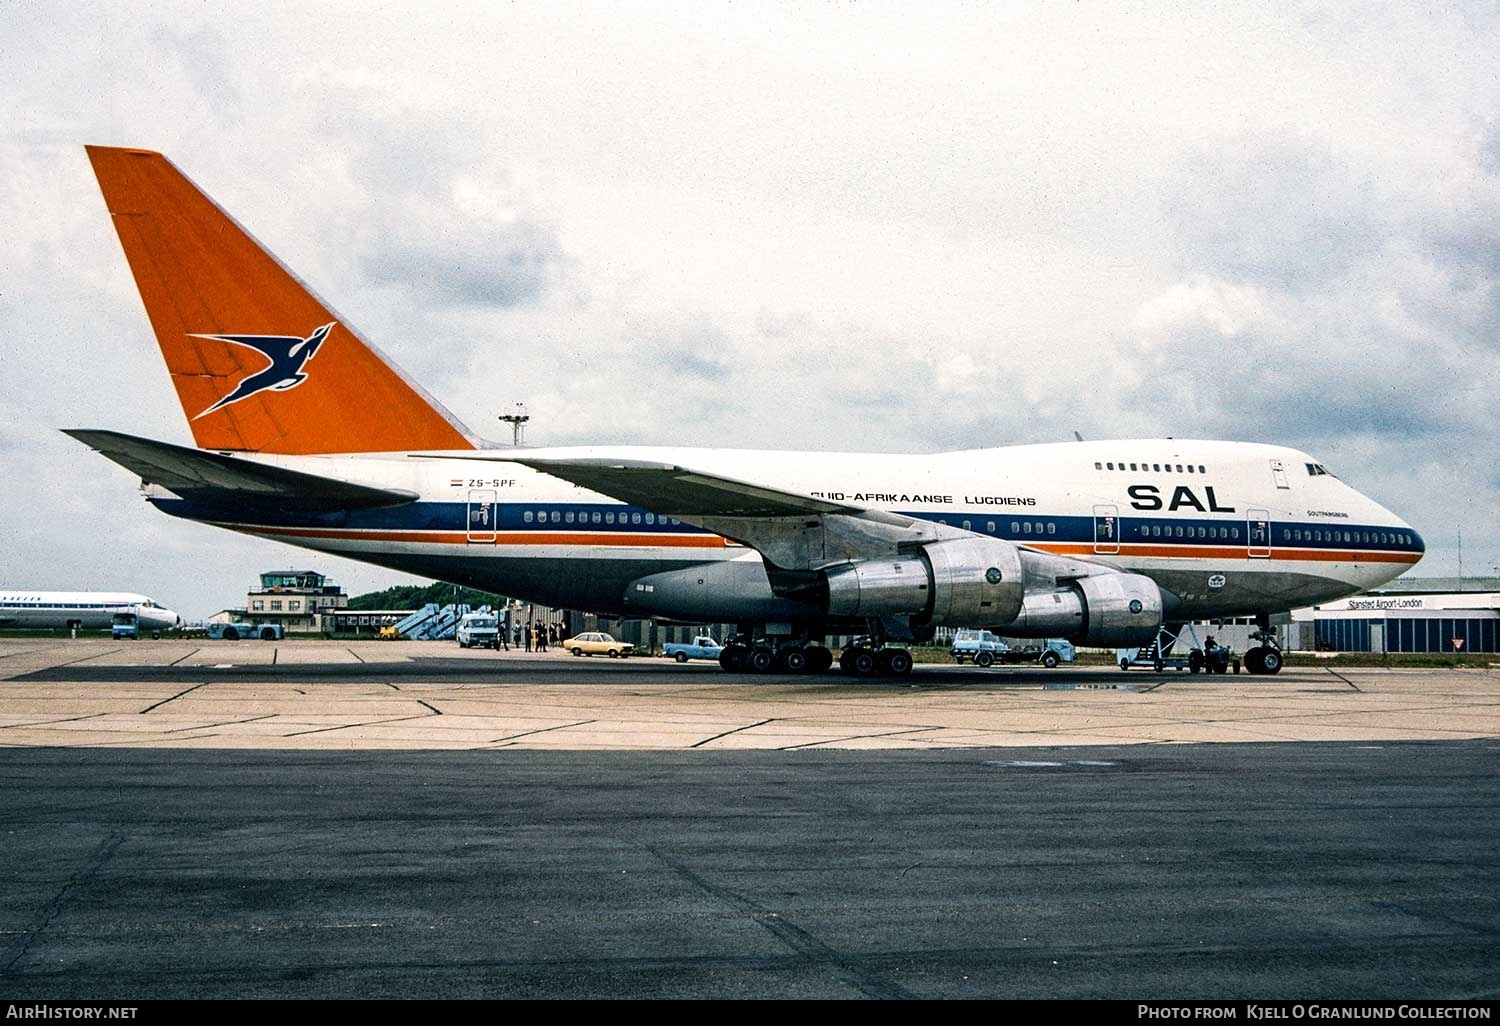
885 227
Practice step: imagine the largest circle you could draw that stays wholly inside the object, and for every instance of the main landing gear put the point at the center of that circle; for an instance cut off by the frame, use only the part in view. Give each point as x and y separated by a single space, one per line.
866 657
763 656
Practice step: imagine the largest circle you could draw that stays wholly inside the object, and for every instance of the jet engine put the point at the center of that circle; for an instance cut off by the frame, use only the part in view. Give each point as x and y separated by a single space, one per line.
981 582
1109 610
964 581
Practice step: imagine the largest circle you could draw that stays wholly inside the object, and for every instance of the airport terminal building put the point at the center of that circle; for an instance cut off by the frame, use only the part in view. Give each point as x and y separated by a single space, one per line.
1433 614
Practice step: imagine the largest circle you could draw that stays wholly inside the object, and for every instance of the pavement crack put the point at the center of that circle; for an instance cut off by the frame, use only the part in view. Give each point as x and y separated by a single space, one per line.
859 737
435 710
539 730
736 730
354 654
53 908
802 943
1341 677
190 655
174 698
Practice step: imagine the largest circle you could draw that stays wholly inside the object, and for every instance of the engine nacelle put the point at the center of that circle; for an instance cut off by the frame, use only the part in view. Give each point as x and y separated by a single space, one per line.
1109 610
965 581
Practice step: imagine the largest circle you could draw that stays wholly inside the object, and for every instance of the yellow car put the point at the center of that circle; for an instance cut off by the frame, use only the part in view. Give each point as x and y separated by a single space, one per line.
598 643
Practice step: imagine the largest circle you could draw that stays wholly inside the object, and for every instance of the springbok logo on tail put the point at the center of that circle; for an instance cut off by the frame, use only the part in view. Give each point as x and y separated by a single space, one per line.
288 355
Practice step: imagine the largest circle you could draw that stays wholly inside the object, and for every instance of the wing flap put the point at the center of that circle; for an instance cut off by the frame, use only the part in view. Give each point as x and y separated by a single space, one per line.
194 473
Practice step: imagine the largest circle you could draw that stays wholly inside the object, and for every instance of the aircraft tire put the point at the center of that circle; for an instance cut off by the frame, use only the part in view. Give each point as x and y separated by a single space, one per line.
862 663
819 659
760 659
792 660
1271 661
895 662
1253 660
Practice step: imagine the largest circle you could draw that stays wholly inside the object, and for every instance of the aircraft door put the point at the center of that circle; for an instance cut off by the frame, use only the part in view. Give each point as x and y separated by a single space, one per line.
483 512
1106 530
1258 528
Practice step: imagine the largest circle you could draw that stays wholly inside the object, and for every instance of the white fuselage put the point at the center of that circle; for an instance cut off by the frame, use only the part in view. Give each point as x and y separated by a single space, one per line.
92 610
1225 527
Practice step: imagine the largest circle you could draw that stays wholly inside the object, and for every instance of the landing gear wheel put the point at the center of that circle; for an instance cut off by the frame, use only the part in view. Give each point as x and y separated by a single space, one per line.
844 657
983 660
760 659
681 657
1255 660
1050 660
1270 661
819 659
861 663
733 658
793 660
894 662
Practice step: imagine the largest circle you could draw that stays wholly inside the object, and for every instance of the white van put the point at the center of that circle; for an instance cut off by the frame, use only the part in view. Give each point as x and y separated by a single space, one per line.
478 630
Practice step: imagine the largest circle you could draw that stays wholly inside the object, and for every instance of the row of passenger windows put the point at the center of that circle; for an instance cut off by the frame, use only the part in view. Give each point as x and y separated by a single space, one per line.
1158 468
66 605
543 516
1016 526
1297 534
1189 531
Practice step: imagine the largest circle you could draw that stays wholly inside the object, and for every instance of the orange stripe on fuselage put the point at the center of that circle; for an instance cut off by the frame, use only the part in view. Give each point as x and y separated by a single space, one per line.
1222 552
668 541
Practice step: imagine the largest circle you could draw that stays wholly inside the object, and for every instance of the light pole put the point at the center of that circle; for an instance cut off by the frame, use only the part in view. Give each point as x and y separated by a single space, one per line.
517 420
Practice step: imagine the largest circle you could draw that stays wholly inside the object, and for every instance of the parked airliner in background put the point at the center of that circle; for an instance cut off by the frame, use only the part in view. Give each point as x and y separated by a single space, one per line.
1099 542
88 610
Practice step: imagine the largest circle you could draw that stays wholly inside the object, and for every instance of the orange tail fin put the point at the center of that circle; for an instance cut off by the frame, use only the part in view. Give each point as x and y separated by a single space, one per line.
260 363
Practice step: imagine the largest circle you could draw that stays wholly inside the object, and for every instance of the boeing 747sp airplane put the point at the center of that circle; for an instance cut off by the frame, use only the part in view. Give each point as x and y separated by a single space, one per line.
307 435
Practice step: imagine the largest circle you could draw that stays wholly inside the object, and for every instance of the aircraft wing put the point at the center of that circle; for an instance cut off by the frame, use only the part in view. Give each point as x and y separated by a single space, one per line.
695 494
196 474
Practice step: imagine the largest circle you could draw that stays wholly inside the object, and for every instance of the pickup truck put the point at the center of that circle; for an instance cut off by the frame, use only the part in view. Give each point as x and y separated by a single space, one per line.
1049 652
240 629
701 647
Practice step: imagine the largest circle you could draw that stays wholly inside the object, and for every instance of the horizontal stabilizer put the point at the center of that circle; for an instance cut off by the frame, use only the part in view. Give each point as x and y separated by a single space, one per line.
195 474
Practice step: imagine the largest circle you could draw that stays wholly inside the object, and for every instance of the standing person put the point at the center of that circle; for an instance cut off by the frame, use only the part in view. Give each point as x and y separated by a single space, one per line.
527 633
504 634
541 636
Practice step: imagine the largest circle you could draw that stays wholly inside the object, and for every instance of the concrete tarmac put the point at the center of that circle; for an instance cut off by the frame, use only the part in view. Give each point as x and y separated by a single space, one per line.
430 695
1182 871
218 820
